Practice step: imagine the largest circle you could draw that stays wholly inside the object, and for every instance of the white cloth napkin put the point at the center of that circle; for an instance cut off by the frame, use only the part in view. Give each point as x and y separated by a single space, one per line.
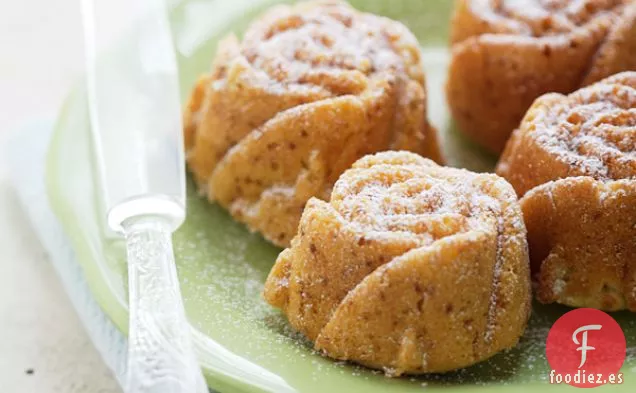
25 156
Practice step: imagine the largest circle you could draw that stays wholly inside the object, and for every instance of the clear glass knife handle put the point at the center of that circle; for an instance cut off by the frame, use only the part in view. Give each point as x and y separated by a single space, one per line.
160 358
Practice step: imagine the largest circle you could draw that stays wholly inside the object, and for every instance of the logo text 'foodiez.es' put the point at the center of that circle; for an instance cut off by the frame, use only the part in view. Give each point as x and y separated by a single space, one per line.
586 348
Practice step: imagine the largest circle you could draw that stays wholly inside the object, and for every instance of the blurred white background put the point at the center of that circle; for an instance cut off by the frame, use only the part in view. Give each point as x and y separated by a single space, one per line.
43 346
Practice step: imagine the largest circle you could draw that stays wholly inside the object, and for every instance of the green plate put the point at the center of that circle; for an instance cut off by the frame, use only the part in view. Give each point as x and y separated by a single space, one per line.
245 345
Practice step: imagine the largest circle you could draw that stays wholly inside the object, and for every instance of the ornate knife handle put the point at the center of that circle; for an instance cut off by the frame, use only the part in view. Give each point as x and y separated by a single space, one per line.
160 353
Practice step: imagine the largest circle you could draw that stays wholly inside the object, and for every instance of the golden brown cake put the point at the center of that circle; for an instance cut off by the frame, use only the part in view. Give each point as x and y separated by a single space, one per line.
574 161
310 89
410 267
507 53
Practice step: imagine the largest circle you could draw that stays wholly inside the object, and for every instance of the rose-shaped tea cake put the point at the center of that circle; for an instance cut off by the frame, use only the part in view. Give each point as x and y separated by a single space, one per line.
309 90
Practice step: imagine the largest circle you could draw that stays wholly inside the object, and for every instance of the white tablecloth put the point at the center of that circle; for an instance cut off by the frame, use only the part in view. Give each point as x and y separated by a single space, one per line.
25 155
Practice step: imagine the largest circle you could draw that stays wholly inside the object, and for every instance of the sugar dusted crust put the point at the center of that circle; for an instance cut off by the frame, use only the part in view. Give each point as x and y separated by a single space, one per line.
409 268
573 159
507 53
310 89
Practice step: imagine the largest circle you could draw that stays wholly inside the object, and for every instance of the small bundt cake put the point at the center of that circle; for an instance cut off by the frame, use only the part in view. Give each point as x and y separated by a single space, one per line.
507 53
573 159
310 89
410 267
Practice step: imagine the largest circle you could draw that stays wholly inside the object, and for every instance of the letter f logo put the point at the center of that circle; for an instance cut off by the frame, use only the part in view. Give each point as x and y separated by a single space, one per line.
584 347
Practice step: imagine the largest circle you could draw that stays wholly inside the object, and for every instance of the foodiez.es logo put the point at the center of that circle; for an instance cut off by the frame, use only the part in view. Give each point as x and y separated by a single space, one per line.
586 348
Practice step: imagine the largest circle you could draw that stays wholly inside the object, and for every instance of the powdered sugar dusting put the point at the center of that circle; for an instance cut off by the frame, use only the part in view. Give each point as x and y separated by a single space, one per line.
330 46
592 131
417 201
542 18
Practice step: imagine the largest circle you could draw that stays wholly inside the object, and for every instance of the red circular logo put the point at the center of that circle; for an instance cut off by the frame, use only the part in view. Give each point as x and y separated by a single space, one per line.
585 348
